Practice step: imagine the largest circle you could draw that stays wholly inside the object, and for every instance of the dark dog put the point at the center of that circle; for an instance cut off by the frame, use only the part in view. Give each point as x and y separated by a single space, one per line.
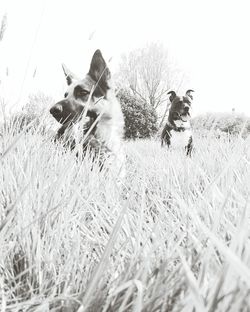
177 130
91 111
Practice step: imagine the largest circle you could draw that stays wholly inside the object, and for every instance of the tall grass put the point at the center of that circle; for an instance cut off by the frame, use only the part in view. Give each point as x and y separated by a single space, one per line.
173 237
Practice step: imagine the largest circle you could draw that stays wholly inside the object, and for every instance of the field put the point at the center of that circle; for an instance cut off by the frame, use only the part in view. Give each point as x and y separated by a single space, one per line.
175 236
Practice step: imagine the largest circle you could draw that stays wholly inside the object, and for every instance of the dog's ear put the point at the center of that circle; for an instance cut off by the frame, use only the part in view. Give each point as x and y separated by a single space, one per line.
172 95
99 71
70 77
188 93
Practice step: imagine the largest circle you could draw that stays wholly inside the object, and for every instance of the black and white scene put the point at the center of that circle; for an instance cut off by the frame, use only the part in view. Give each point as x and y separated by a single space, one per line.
124 156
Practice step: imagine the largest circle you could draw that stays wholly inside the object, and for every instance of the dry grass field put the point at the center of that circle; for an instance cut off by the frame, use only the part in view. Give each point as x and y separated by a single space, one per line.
175 236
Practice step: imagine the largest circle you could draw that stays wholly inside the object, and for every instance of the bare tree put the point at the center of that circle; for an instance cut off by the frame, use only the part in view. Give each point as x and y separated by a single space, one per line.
3 27
150 73
2 31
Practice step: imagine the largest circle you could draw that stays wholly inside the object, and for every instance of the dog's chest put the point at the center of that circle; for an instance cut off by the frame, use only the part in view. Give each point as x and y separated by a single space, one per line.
180 139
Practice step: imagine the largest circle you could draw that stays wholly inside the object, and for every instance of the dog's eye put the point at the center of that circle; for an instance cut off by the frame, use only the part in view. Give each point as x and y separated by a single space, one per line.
66 94
79 92
82 92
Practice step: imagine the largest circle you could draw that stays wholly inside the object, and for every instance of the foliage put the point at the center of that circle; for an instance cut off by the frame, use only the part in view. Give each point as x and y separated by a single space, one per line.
149 73
36 111
140 117
3 26
229 123
37 104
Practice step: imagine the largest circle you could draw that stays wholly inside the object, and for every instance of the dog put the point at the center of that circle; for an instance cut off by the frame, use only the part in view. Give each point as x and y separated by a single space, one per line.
91 111
177 130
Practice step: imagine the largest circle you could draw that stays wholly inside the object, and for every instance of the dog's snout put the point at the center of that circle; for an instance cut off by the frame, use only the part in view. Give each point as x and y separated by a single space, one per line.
56 109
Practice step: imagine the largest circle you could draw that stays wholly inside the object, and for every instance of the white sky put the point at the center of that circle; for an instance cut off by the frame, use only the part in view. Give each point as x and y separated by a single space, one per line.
209 41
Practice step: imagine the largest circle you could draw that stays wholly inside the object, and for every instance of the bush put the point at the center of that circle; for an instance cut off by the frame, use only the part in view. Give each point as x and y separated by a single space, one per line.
223 122
37 105
35 111
140 117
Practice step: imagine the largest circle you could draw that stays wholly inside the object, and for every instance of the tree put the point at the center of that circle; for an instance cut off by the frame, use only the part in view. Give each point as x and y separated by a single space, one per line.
140 117
150 73
2 31
3 27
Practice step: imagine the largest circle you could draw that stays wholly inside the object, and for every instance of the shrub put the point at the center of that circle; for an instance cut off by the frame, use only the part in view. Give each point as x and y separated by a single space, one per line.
140 117
35 112
223 122
37 105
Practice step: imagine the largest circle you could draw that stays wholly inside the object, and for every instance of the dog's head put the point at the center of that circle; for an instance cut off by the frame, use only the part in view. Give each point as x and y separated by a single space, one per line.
180 107
87 90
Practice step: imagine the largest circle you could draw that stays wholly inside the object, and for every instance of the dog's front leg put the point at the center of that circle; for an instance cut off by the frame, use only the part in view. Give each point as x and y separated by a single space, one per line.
165 139
189 147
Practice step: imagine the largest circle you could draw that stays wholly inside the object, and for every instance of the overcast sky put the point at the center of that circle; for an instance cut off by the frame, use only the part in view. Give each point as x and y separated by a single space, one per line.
209 40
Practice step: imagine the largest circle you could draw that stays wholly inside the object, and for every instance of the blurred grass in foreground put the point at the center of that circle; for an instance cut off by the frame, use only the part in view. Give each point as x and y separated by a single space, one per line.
173 237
